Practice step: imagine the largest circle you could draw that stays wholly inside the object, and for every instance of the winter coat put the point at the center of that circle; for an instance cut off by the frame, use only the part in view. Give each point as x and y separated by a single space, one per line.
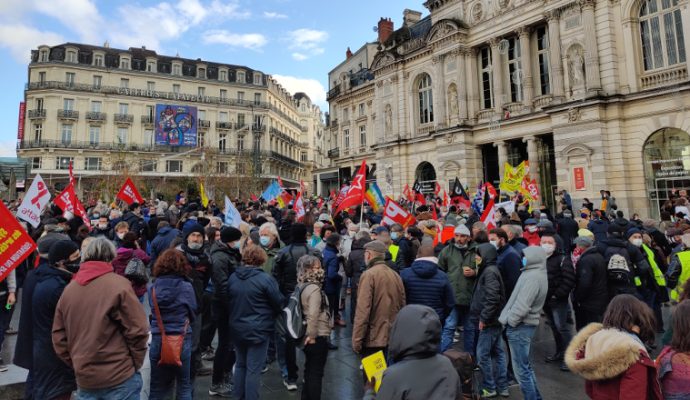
425 284
162 241
615 364
637 263
199 268
379 298
177 304
509 263
532 238
316 311
136 223
660 240
527 300
418 371
331 265
355 265
452 260
567 229
600 228
489 294
285 266
673 373
224 261
561 275
23 349
120 262
405 256
591 293
254 304
519 244
271 252
109 346
51 376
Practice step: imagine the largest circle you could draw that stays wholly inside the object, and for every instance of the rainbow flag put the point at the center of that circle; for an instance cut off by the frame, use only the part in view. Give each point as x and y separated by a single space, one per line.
374 197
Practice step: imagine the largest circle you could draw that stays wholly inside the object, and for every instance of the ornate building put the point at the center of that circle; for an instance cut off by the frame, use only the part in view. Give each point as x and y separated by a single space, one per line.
593 93
163 119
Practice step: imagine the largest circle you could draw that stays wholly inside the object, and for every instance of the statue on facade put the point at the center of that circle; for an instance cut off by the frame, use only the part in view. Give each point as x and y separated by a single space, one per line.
576 67
453 100
388 121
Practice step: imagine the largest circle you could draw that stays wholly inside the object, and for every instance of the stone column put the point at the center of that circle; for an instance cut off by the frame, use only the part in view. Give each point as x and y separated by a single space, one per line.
555 54
472 78
526 67
533 157
685 16
497 73
462 85
591 48
502 147
439 97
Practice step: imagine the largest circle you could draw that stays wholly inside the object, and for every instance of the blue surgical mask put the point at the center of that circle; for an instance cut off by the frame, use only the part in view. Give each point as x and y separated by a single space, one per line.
265 240
524 261
237 245
395 235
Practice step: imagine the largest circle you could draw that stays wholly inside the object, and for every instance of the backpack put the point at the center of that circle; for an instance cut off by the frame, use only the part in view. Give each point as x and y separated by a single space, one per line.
135 271
295 323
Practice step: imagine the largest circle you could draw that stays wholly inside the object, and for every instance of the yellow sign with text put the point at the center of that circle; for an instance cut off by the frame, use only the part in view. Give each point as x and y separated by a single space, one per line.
374 365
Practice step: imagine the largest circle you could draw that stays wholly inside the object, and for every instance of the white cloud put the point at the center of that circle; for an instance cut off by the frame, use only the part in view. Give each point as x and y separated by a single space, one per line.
80 16
252 41
306 42
313 88
8 148
299 56
21 39
274 15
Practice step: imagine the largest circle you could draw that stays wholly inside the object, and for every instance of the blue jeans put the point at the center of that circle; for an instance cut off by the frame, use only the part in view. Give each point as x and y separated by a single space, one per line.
459 317
127 390
490 349
251 359
557 313
520 341
164 376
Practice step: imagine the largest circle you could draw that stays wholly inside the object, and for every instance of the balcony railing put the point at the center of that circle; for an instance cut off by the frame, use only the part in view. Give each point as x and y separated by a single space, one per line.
147 120
37 114
123 119
665 77
204 123
334 153
283 136
38 144
68 114
333 92
542 101
485 115
95 116
223 125
258 128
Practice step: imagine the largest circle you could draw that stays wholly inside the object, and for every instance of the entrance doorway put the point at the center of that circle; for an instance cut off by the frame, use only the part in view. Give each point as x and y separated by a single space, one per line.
426 176
667 166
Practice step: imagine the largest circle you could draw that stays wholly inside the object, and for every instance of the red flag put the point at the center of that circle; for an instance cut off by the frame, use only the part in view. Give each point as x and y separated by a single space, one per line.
320 204
286 197
280 182
71 174
15 242
393 213
418 195
299 207
445 199
341 196
68 202
302 186
355 194
253 197
434 215
408 194
459 195
488 215
332 196
437 189
129 193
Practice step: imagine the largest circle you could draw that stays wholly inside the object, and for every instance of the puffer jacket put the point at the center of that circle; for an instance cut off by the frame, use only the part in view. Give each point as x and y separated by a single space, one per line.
614 364
331 264
405 256
599 228
224 261
162 241
561 275
355 265
413 347
527 300
285 265
591 293
177 304
425 284
451 260
120 265
489 294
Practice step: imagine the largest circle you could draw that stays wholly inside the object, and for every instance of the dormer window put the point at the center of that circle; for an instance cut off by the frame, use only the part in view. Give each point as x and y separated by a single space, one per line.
257 79
223 75
43 56
201 73
71 56
240 77
151 66
98 60
124 63
177 69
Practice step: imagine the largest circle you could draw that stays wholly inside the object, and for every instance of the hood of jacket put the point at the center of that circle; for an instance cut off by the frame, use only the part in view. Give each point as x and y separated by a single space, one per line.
536 258
165 230
125 253
613 241
358 244
245 272
425 267
91 270
49 271
596 353
168 288
488 253
416 332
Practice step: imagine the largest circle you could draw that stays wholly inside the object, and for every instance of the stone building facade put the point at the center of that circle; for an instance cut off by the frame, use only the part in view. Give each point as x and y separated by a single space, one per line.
593 93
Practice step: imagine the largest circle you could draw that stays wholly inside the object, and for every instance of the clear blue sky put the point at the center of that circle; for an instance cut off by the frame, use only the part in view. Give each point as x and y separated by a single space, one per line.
296 41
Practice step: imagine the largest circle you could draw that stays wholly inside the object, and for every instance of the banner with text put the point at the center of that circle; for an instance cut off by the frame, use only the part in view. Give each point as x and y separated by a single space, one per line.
34 202
15 243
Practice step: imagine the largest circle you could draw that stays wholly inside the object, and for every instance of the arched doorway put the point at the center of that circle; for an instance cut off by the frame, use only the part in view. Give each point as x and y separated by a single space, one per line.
667 165
426 176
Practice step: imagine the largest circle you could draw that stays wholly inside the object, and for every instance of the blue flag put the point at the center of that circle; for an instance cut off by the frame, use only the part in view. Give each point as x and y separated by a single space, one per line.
272 191
232 216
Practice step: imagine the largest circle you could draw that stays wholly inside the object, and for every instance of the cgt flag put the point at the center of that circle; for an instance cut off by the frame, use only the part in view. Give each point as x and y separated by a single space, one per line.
394 214
129 193
355 194
300 212
34 202
15 243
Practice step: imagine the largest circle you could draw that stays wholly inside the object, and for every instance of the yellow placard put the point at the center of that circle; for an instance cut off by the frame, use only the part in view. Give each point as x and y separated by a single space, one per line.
513 176
374 365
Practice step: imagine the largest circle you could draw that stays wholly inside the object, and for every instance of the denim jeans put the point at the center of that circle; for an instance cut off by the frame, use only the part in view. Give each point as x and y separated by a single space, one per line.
315 362
490 349
225 356
459 316
164 376
520 342
557 313
287 357
127 390
280 354
251 359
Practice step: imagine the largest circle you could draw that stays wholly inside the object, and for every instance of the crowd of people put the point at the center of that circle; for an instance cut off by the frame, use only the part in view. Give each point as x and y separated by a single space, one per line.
145 278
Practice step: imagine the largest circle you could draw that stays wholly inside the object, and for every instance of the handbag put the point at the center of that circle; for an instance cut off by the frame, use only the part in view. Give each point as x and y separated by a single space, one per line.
171 345
135 271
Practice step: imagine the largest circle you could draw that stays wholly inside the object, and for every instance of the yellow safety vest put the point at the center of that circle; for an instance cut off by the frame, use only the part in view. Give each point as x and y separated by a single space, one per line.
393 249
658 275
684 258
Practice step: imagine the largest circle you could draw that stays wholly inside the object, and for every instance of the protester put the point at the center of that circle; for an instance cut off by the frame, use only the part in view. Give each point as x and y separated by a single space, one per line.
508 259
590 295
530 233
401 248
673 364
106 350
174 296
331 263
355 266
612 357
271 243
129 251
164 238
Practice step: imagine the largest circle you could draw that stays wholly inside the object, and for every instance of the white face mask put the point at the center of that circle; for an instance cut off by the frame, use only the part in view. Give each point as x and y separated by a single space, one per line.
636 242
121 235
494 243
532 228
548 248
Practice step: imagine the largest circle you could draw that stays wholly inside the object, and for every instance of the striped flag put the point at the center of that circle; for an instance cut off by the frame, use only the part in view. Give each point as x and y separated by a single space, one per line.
374 197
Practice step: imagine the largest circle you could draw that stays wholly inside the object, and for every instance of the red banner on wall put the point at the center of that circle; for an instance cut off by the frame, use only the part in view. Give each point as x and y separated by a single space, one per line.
15 243
579 178
20 127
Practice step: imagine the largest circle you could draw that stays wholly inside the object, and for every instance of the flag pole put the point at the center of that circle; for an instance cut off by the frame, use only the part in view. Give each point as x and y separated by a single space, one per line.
361 214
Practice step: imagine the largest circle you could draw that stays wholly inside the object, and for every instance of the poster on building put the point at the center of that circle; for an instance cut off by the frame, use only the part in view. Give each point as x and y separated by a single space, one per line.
20 128
579 178
176 125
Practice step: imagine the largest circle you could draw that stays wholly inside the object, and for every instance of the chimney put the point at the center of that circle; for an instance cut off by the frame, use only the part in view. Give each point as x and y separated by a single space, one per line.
385 29
410 17
348 53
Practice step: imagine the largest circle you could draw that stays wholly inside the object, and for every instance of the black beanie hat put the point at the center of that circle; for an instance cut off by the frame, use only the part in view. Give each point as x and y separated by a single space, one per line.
298 233
61 250
230 234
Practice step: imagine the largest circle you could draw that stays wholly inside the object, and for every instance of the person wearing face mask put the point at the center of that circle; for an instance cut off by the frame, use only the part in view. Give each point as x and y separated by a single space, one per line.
531 233
119 233
679 268
129 250
621 255
270 241
508 259
225 259
102 227
561 278
401 248
51 377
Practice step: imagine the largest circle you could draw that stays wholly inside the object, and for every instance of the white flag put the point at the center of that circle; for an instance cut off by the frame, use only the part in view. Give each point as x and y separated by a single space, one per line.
232 216
34 202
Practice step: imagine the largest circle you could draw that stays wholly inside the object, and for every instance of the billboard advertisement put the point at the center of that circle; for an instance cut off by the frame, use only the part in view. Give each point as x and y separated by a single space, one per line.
176 125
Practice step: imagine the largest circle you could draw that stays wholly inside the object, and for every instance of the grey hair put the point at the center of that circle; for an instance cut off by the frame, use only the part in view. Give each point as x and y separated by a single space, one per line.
479 226
362 235
318 224
306 262
215 219
270 227
515 229
100 249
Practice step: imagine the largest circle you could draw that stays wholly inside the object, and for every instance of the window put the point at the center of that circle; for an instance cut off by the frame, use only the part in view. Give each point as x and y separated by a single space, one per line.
177 69
67 134
223 94
148 137
200 139
176 88
36 163
68 104
240 76
257 121
223 75
222 167
39 103
151 66
94 135
361 110
257 98
149 111
97 81
222 141
201 91
426 105
38 132
173 166
240 97
71 56
147 165
98 60
257 79
44 56
487 77
96 106
92 163
303 156
223 116
240 142
63 162
240 120
201 114
543 60
123 108
121 135
41 77
514 69
346 139
241 168
661 31
150 86
69 78
362 135
124 63
346 114
124 83
201 73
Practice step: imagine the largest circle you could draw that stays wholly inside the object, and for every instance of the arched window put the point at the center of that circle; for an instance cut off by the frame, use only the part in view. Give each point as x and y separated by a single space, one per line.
661 31
426 102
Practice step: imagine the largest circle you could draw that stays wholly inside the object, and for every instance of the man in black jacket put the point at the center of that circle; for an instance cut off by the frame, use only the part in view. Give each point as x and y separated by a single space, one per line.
590 297
404 256
561 276
567 229
134 219
225 258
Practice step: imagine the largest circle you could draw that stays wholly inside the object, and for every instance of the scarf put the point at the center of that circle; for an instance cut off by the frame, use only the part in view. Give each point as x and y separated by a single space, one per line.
575 257
315 276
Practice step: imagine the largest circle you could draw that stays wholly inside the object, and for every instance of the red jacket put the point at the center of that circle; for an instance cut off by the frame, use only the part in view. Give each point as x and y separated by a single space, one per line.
532 238
120 264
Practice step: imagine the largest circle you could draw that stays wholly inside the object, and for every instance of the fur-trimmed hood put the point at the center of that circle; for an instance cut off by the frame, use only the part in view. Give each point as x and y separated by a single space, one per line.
596 353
